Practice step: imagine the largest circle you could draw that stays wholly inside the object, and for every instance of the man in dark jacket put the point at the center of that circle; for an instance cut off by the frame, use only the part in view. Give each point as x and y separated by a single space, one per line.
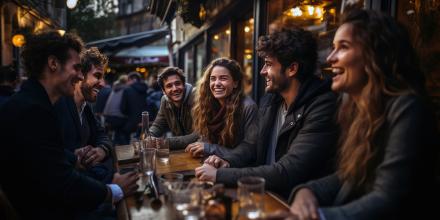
133 103
33 163
296 127
175 108
84 138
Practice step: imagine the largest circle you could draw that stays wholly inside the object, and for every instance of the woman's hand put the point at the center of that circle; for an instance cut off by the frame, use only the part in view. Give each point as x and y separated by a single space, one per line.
206 173
195 149
305 205
216 161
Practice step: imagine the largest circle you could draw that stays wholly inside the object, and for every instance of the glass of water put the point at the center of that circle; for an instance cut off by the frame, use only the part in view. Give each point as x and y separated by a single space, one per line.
251 197
187 201
163 150
147 161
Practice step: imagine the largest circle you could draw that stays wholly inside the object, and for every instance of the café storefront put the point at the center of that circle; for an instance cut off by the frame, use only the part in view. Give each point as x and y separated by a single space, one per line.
203 30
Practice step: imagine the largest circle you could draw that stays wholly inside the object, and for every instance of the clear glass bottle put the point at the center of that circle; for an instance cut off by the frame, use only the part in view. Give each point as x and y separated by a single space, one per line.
145 133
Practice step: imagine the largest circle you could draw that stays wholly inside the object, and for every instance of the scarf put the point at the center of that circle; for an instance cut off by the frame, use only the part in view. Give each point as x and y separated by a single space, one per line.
216 125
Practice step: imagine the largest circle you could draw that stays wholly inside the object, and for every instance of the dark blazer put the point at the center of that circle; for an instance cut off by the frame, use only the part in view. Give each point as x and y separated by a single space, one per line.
403 185
35 175
73 137
305 145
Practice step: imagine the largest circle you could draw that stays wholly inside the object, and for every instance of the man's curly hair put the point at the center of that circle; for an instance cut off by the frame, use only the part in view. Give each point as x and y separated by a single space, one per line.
289 46
39 47
90 57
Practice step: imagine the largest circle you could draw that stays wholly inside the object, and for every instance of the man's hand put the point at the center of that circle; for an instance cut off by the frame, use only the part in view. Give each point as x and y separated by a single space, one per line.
80 153
216 161
127 182
206 173
94 156
195 149
305 205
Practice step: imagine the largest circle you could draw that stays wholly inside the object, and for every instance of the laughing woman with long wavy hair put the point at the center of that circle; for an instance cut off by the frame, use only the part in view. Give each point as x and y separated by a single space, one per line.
223 116
388 144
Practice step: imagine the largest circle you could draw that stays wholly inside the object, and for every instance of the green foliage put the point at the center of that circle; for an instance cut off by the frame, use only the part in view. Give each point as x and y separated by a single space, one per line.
92 19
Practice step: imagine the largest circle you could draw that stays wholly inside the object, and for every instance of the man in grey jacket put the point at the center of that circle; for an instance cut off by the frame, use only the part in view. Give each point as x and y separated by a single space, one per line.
175 108
296 120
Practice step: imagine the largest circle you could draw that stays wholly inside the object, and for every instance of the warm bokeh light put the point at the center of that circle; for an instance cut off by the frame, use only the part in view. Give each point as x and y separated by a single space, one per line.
18 40
216 37
296 12
61 32
228 32
247 29
311 9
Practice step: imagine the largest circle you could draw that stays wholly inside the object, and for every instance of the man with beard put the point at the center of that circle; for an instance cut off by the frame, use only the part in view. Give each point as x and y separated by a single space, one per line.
85 140
37 178
175 108
296 127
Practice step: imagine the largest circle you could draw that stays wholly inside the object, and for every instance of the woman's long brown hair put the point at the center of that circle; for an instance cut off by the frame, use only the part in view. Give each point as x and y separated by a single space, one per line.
204 109
392 69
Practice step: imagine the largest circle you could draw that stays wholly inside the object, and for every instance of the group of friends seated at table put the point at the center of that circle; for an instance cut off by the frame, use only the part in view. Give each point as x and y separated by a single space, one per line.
359 145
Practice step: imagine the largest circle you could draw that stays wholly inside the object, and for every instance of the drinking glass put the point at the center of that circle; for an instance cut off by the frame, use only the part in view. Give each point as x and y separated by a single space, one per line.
170 182
147 161
163 150
136 146
187 201
251 197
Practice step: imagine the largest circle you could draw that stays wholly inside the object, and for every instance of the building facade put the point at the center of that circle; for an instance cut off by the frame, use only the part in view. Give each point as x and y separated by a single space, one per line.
203 30
25 17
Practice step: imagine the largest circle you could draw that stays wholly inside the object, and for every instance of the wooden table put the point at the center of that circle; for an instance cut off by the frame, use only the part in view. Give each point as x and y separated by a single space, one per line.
179 161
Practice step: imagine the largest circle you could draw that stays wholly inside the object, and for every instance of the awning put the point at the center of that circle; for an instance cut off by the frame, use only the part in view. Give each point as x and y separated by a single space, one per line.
145 55
136 39
145 51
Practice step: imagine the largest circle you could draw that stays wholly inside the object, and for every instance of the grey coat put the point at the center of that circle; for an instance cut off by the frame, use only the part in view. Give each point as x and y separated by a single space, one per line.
247 134
177 120
305 144
403 185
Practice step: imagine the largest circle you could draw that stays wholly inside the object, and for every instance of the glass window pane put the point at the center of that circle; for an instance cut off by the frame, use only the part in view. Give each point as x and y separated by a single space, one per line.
422 19
320 17
220 42
189 65
245 33
200 62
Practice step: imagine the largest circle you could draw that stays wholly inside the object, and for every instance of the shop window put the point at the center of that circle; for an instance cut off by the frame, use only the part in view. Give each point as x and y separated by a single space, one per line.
189 65
320 17
422 18
245 35
220 42
200 60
